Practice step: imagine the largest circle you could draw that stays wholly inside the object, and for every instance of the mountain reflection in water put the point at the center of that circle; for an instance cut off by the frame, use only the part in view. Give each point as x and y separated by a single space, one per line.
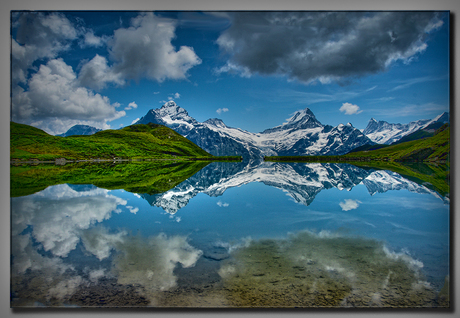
228 237
302 181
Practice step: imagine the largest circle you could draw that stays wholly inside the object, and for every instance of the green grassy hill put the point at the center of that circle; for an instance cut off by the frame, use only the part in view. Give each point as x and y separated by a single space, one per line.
432 149
132 142
435 148
426 132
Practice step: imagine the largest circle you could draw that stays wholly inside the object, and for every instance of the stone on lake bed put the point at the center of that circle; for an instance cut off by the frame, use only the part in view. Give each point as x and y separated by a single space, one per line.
216 254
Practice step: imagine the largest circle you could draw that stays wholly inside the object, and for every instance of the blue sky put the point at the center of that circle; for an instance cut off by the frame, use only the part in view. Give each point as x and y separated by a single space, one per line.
251 69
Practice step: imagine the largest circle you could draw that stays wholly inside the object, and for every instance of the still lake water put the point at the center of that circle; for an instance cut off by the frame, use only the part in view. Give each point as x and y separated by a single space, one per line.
255 234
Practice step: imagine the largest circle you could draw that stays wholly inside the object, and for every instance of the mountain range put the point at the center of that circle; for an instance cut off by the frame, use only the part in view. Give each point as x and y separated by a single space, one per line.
300 135
300 181
382 132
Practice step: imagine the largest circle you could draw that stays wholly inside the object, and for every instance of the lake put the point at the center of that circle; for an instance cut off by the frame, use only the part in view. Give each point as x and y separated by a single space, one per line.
244 234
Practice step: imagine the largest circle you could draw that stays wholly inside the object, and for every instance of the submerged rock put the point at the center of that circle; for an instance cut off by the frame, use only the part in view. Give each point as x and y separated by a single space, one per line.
312 270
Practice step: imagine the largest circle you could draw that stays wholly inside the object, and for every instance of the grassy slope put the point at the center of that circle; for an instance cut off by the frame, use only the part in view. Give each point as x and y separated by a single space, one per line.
136 141
431 150
426 132
139 177
436 148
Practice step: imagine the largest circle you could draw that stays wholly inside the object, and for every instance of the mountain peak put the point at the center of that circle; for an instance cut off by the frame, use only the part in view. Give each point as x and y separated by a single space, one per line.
301 134
80 130
300 115
170 110
216 122
444 117
301 119
171 115
170 103
383 132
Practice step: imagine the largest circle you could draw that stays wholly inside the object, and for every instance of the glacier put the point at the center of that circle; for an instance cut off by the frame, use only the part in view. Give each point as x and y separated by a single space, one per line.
302 134
382 132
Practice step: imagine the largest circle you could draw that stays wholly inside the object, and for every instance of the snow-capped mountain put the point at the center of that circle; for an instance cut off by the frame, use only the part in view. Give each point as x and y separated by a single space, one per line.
300 181
172 116
80 130
302 134
382 132
384 180
301 120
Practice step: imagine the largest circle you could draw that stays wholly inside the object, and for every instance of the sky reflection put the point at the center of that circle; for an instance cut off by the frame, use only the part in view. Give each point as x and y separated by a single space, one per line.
78 244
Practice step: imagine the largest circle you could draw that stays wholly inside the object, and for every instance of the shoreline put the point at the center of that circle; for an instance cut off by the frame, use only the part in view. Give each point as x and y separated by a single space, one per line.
64 161
339 159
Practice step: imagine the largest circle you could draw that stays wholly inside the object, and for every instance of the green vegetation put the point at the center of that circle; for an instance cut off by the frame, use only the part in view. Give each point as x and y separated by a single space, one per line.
369 147
426 132
425 161
133 142
433 149
138 177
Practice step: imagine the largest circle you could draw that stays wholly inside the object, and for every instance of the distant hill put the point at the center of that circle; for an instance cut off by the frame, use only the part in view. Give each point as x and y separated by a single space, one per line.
136 141
80 130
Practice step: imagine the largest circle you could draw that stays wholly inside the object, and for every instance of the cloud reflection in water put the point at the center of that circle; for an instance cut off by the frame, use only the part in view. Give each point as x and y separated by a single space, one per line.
324 269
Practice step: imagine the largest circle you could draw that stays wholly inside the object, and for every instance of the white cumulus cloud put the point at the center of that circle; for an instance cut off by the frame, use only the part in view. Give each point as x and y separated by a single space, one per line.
222 110
39 35
55 96
90 39
145 50
350 109
131 105
97 73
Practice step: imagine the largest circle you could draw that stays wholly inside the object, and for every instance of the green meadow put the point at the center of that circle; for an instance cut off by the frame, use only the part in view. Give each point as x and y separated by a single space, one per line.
133 142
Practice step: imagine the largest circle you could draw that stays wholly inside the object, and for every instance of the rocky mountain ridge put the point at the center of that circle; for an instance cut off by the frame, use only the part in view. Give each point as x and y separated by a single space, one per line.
382 132
302 134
